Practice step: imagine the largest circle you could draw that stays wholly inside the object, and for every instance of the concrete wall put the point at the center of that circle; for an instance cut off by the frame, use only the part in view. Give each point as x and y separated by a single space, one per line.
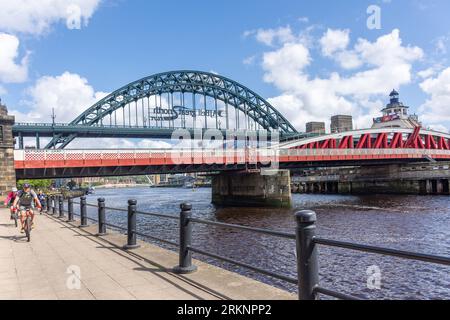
252 189
7 171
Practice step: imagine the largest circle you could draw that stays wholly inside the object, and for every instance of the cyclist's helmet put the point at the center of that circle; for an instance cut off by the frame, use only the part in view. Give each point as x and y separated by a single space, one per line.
26 186
14 189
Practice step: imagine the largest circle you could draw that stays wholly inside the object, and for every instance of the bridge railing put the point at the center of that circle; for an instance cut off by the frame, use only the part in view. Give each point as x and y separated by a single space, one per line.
80 158
306 240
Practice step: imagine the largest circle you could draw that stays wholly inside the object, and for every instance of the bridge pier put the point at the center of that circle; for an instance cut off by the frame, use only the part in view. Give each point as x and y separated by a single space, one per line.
7 172
252 189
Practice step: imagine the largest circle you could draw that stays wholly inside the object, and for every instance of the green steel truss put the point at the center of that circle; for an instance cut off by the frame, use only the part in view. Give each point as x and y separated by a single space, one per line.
202 83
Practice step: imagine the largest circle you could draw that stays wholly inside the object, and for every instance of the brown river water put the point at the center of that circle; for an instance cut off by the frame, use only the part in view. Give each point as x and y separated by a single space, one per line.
414 223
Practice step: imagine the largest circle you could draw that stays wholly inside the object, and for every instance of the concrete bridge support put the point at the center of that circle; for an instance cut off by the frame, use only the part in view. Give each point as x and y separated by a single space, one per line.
414 178
7 171
252 189
435 186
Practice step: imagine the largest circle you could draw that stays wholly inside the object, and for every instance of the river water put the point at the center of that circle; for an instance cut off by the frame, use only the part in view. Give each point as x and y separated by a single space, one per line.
416 223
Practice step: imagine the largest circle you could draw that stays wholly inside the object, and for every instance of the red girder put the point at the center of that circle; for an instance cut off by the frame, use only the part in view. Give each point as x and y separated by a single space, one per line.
365 142
443 144
397 141
430 143
382 141
329 144
413 140
346 143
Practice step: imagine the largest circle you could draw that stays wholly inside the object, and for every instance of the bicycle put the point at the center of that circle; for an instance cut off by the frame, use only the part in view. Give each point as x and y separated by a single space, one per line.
15 216
27 224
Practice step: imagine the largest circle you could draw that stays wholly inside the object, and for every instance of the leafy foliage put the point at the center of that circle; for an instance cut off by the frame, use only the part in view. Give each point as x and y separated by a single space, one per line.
36 184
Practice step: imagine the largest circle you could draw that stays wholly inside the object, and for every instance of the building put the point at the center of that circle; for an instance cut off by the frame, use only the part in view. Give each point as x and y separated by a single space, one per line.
7 172
341 123
315 127
395 115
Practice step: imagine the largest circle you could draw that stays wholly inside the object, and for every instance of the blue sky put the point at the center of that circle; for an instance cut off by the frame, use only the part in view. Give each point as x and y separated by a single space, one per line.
262 44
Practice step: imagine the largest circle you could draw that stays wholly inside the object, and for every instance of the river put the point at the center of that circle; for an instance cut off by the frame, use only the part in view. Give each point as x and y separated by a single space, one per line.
416 223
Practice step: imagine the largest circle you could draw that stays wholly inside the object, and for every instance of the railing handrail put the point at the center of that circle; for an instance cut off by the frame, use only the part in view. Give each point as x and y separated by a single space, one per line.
245 228
385 251
307 243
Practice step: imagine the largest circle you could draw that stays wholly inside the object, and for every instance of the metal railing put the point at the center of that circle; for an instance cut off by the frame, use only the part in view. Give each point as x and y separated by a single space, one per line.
220 156
307 243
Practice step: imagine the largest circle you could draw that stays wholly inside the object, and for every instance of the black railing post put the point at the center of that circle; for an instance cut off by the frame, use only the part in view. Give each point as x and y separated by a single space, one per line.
307 261
61 206
54 205
101 217
70 210
131 234
185 265
83 213
47 204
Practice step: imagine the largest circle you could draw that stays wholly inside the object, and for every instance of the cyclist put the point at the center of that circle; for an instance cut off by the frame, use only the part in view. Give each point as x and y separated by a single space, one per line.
24 201
10 200
42 199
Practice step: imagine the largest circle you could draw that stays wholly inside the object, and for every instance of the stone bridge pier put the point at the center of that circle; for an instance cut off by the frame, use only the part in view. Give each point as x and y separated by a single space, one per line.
7 171
252 189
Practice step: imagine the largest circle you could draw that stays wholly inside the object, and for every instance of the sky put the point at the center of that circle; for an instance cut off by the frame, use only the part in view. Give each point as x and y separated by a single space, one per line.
310 59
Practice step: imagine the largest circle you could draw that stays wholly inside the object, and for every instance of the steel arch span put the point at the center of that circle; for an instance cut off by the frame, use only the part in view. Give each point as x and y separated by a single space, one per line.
160 100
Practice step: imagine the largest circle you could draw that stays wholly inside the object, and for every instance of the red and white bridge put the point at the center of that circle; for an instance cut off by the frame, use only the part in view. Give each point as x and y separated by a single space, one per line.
360 147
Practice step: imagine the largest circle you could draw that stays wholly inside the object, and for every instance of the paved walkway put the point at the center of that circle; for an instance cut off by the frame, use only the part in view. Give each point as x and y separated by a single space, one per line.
43 268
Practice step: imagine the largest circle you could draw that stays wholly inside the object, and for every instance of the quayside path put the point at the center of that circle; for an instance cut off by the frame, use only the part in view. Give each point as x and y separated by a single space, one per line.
65 262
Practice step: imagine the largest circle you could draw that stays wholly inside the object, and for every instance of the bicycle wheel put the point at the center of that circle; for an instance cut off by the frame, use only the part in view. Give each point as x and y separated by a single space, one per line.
16 220
28 228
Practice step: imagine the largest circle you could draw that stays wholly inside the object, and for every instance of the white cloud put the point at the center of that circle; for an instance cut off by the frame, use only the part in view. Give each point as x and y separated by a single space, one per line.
11 70
111 143
303 19
284 66
386 63
69 94
427 73
271 37
441 44
107 143
249 60
333 41
36 16
439 128
388 49
436 109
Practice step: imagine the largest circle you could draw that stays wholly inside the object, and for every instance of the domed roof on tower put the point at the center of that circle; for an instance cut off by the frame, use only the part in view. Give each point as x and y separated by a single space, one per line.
395 114
395 103
394 93
395 98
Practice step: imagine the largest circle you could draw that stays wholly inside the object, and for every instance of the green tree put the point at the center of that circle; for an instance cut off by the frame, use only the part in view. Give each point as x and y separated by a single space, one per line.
36 184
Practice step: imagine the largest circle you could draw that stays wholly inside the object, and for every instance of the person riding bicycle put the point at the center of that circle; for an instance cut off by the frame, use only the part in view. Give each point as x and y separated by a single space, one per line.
24 201
10 200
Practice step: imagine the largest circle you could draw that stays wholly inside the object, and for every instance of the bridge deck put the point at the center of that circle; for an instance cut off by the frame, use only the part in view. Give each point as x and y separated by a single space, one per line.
38 270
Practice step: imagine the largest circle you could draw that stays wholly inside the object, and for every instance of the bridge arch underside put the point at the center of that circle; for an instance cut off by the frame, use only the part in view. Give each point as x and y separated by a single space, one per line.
181 99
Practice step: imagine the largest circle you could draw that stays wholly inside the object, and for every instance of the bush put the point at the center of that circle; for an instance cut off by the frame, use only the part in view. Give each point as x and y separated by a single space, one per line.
44 184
